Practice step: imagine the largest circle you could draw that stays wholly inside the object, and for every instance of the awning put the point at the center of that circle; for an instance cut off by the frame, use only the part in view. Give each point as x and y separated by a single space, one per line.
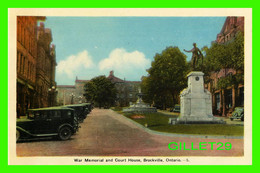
25 83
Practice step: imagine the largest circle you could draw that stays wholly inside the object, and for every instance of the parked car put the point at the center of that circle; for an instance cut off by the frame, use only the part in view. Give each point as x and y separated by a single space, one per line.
51 121
81 110
238 113
176 108
89 106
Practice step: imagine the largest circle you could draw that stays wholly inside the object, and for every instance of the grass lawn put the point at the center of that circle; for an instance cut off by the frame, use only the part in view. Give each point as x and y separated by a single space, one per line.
159 122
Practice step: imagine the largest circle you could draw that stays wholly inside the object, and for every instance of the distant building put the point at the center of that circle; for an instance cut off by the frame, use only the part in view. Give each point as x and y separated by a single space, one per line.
224 100
74 94
71 94
127 90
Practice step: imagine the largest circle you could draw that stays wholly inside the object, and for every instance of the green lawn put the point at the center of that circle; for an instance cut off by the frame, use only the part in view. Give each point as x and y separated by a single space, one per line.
159 122
202 129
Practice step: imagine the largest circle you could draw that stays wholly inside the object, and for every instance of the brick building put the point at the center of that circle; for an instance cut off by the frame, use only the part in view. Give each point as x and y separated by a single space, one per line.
45 70
27 63
225 100
73 94
231 26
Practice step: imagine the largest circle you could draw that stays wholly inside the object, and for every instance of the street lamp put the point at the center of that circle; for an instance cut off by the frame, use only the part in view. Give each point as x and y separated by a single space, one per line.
72 98
52 92
80 99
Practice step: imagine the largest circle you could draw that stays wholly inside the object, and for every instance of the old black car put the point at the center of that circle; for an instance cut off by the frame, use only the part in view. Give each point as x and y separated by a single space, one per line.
52 121
81 110
176 108
89 106
238 114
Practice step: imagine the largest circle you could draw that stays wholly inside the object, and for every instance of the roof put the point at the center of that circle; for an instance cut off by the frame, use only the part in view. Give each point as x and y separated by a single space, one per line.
82 81
76 105
115 79
50 108
133 82
65 86
42 18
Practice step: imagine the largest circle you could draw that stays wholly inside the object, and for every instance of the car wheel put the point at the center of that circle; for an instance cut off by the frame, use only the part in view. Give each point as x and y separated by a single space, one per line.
17 135
65 133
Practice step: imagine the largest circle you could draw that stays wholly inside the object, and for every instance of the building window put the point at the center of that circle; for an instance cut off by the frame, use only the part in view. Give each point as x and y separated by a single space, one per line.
23 37
217 101
18 61
22 63
19 31
28 71
228 98
30 48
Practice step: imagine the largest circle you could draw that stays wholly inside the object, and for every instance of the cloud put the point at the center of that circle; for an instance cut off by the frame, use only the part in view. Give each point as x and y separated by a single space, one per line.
75 64
126 64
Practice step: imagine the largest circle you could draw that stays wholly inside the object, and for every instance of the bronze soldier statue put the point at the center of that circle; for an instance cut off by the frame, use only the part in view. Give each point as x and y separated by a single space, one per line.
196 54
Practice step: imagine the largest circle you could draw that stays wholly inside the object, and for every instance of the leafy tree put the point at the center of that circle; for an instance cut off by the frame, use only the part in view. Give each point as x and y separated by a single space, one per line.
101 91
237 52
146 86
228 55
167 77
224 56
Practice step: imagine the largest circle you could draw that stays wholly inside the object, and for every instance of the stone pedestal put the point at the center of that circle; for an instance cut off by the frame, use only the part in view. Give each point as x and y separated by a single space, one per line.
196 103
140 106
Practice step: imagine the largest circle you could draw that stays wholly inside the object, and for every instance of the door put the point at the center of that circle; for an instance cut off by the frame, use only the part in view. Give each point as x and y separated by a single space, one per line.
45 123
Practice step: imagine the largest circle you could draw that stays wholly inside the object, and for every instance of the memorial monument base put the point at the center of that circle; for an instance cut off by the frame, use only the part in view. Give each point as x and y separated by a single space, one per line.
196 103
200 120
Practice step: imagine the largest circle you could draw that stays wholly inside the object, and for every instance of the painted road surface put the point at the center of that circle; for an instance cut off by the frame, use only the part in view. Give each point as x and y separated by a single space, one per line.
107 133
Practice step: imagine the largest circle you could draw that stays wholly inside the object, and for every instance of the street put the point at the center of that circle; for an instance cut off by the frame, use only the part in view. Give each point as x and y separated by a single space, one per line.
107 133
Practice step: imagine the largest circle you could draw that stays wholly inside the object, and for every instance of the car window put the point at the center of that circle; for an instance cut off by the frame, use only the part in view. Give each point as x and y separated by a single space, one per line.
37 115
67 114
44 114
56 114
30 115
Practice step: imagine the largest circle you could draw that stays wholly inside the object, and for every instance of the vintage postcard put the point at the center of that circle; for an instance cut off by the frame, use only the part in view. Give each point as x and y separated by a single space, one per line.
104 86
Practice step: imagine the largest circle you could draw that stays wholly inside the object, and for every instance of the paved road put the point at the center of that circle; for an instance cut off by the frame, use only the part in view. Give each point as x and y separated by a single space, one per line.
106 133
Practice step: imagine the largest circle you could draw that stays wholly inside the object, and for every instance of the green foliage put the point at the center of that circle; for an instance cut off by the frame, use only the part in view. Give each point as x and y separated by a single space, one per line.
224 82
167 77
228 55
151 119
202 129
237 52
117 109
159 122
101 91
230 80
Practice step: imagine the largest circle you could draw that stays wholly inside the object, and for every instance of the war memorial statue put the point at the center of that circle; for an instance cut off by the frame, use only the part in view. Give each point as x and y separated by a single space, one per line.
195 100
196 54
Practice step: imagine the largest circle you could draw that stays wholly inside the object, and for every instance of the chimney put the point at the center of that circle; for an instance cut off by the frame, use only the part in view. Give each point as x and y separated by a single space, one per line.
111 73
42 25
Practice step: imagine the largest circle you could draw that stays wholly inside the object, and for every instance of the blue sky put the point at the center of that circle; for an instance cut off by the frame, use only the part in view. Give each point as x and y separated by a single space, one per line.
91 46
